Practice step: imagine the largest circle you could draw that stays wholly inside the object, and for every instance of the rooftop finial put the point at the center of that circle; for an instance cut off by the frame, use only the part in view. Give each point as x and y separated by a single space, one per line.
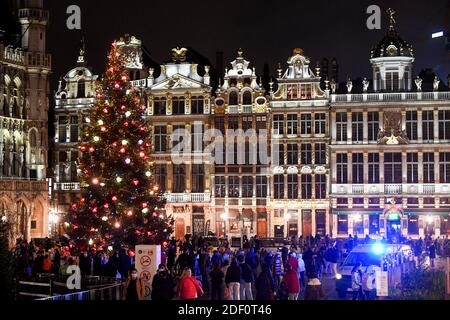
240 52
82 51
391 12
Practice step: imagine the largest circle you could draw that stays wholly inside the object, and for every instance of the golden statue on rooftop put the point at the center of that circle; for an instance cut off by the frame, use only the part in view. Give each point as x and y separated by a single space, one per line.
391 12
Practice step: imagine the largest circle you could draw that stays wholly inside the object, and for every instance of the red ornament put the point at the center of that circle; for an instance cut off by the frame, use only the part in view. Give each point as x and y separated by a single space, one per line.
122 150
91 149
82 199
74 206
135 182
83 148
126 123
117 86
144 205
103 129
114 198
106 206
94 210
105 110
154 214
123 107
142 154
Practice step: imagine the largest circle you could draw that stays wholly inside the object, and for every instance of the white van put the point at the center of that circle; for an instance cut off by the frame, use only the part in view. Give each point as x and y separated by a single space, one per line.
372 257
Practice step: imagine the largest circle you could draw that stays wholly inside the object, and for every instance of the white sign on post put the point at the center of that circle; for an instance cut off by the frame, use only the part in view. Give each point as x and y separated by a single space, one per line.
148 258
382 283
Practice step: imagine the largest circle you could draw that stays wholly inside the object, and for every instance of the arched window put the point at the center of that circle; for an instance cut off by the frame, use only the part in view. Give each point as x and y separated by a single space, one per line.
247 98
81 91
33 139
233 99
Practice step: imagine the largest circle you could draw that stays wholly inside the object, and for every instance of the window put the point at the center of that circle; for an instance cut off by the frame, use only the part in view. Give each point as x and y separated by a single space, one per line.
247 187
278 153
374 224
306 153
178 105
159 106
373 126
160 176
292 153
81 90
73 129
412 167
278 184
428 167
321 186
62 129
428 126
233 123
342 224
444 167
233 99
292 91
358 168
341 168
320 153
306 124
321 221
198 178
197 105
444 125
319 123
393 168
292 124
374 168
411 125
219 124
219 186
261 187
247 98
160 138
179 174
247 123
306 186
292 186
261 123
392 81
341 126
233 187
278 124
357 127
197 136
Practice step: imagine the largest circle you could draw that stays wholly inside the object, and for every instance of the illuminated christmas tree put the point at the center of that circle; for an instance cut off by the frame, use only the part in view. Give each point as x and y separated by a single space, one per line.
120 204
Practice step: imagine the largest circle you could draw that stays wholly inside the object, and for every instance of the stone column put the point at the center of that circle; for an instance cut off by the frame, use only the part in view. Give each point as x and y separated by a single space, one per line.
419 126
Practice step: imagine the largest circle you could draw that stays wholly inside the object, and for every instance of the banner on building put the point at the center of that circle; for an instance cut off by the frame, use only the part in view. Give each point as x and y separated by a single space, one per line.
148 258
382 283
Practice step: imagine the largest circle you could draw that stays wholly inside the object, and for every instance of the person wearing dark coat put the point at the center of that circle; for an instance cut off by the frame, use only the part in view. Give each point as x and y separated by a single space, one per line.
265 286
182 261
111 268
162 285
216 276
204 266
246 279
432 252
98 268
233 279
124 264
172 252
85 264
308 257
284 254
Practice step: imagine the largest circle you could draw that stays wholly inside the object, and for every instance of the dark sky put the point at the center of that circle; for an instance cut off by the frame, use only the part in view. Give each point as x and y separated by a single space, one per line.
266 30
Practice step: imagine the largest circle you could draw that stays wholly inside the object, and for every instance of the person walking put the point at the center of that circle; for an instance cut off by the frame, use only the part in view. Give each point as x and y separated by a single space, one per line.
432 254
188 288
247 279
357 282
368 283
216 275
162 285
233 279
292 283
134 289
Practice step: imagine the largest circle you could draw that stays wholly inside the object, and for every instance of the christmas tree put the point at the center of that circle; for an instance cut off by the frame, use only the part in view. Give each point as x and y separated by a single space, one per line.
120 203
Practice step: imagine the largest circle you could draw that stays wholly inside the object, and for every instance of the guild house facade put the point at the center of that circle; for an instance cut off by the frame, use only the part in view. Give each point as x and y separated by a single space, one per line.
366 157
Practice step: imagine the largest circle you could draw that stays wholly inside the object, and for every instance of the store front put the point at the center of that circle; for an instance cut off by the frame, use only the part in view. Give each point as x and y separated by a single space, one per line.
357 221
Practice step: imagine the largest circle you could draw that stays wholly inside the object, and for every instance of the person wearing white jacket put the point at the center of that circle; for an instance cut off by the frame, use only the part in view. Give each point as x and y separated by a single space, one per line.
301 269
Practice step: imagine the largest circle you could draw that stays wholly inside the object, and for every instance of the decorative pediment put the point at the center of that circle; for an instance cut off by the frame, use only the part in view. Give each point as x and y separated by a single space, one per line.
278 170
320 170
178 81
306 170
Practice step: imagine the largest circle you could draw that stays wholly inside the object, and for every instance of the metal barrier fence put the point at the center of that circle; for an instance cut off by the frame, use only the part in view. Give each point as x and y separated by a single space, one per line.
111 293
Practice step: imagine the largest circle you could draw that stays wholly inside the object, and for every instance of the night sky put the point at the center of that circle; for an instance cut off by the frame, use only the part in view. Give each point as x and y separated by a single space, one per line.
266 30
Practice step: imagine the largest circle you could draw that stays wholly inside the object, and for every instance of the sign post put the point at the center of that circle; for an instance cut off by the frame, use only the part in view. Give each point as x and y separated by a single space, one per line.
447 271
382 283
148 258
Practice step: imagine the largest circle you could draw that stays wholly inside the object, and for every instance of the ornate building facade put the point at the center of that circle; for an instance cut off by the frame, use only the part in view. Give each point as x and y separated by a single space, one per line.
24 89
240 179
390 152
179 102
299 121
73 100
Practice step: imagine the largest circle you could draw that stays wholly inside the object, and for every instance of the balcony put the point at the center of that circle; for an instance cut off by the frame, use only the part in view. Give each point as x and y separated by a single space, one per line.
23 185
188 197
390 189
390 97
67 186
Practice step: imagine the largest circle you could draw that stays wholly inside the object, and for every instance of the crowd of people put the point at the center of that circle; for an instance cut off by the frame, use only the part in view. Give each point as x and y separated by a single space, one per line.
193 268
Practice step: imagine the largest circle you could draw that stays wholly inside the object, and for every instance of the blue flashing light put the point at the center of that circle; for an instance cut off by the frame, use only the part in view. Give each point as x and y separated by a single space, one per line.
378 248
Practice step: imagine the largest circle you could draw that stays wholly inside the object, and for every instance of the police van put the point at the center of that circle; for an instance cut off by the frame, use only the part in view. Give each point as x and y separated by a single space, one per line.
373 257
